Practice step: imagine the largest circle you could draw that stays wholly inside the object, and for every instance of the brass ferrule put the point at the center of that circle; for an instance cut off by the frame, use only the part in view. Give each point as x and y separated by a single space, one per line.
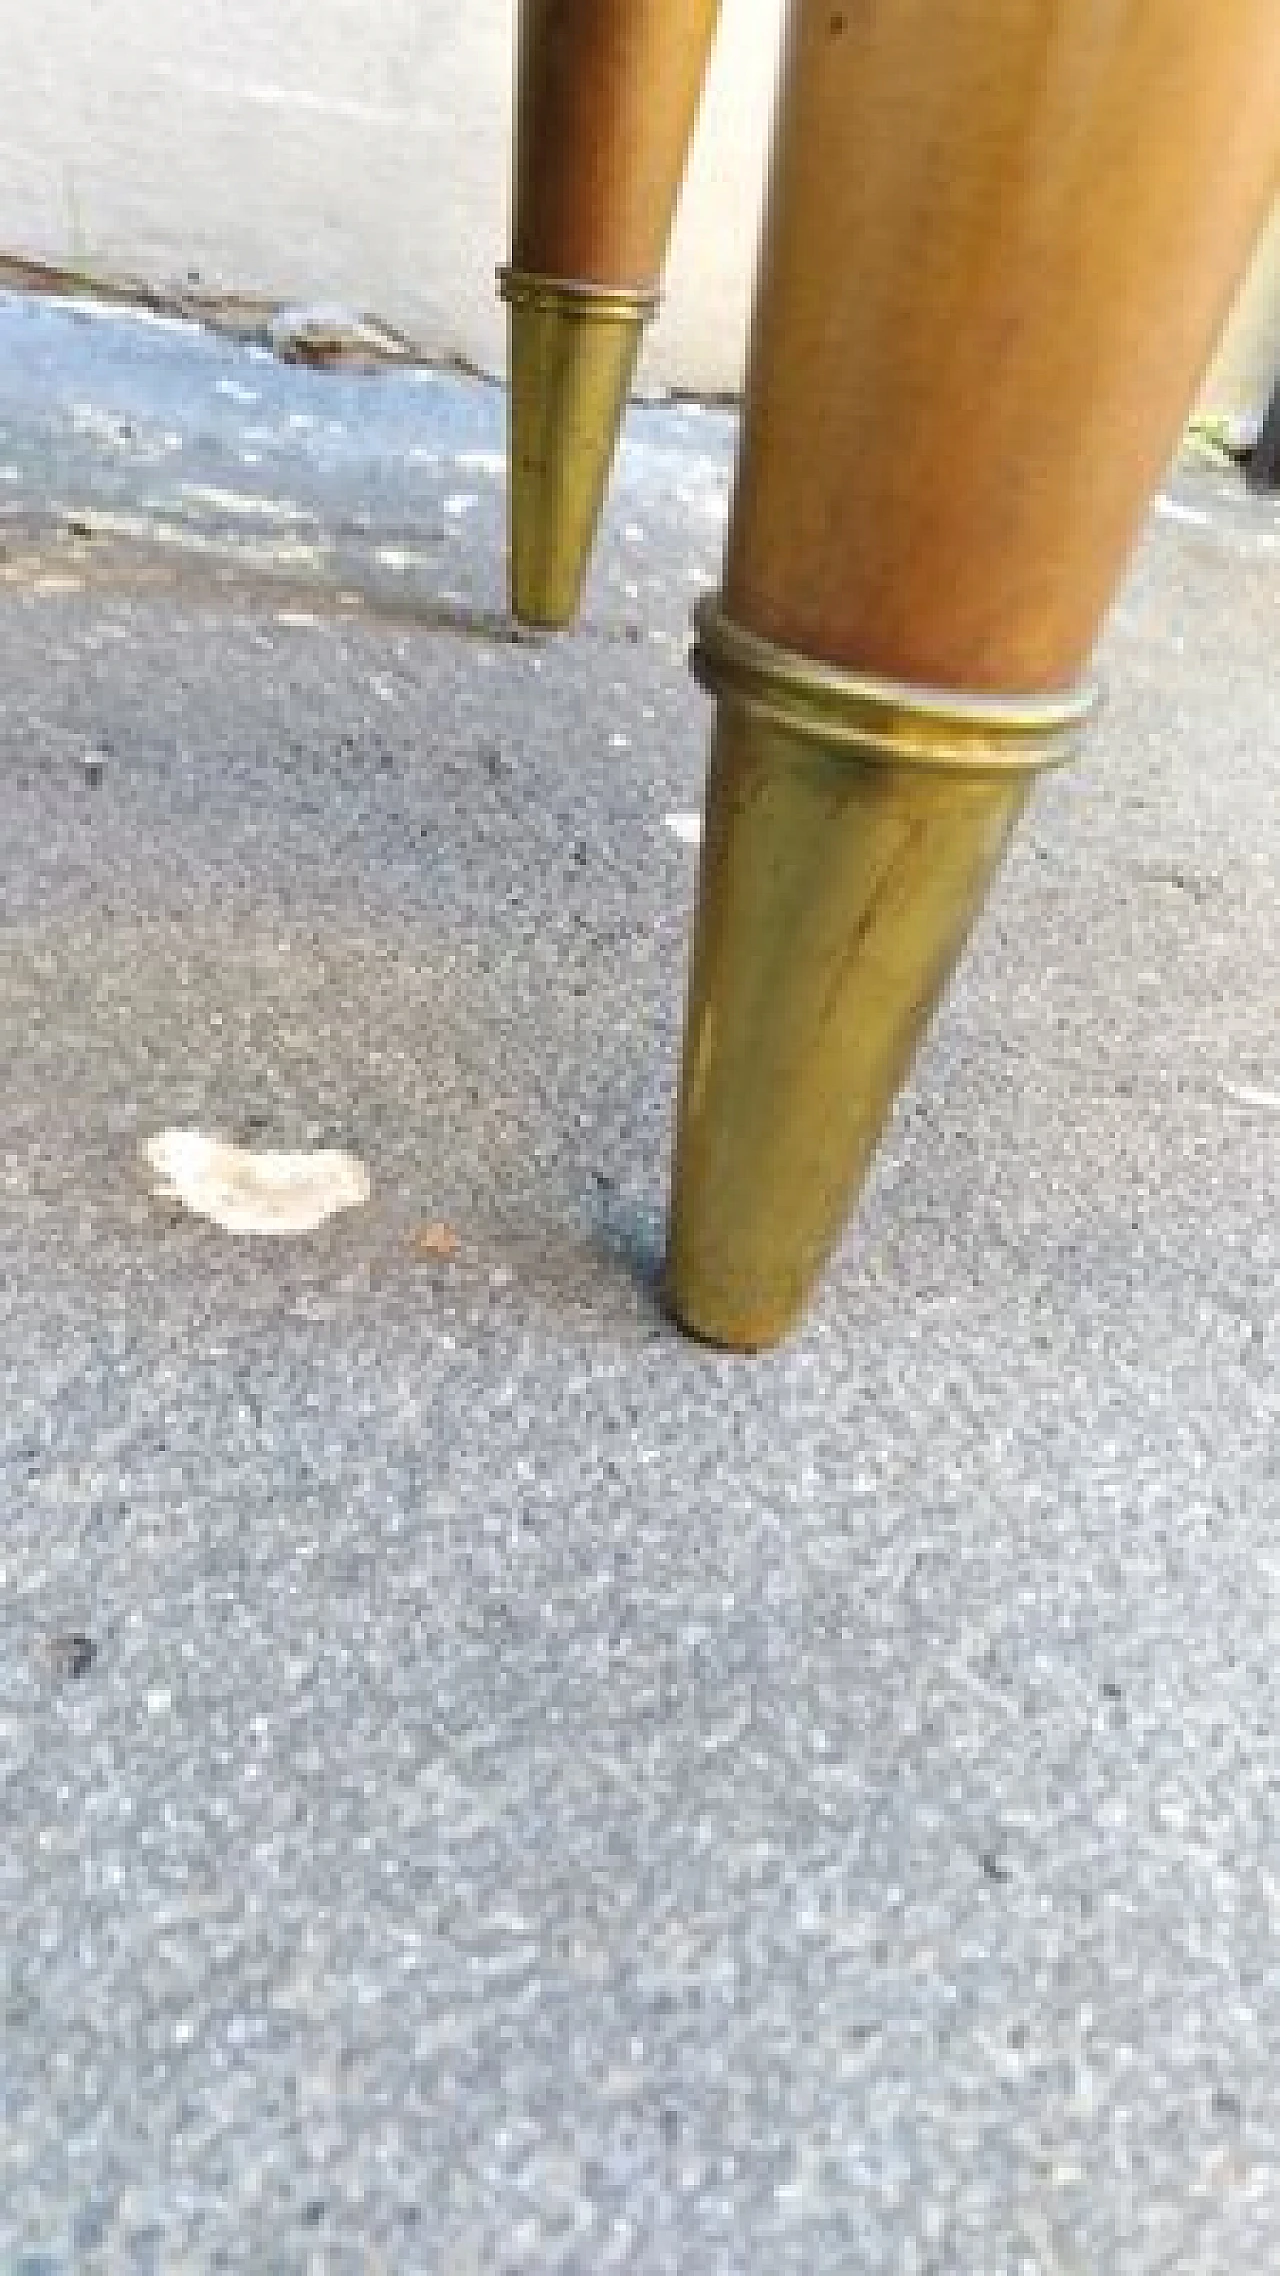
573 355
853 827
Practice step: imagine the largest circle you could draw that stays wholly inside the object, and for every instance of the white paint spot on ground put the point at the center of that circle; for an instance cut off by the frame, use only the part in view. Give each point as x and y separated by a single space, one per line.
269 553
246 1193
480 462
236 392
240 502
458 504
686 827
90 309
1191 517
633 534
711 504
619 742
99 426
1252 1094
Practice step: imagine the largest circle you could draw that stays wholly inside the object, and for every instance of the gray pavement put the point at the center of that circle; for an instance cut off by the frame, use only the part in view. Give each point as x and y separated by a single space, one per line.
489 1786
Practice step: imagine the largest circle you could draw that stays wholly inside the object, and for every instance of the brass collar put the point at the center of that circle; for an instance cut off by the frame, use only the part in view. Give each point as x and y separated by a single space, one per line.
524 288
886 721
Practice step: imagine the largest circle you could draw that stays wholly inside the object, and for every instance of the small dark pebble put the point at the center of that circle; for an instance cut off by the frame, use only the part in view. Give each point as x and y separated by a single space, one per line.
71 1655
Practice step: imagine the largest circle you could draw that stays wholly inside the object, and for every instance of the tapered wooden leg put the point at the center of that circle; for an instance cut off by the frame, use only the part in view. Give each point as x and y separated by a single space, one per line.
1002 238
607 94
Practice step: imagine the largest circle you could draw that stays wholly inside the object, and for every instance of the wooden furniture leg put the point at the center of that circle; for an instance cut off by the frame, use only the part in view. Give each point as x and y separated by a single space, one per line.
607 95
1002 237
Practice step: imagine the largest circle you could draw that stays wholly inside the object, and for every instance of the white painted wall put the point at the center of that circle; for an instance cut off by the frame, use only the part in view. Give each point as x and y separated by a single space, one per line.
340 151
358 151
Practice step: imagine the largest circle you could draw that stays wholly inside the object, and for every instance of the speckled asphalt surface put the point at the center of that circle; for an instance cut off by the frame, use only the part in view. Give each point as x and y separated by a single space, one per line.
488 1786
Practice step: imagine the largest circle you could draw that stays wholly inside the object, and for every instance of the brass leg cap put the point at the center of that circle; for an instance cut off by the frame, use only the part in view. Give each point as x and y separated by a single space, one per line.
852 830
573 355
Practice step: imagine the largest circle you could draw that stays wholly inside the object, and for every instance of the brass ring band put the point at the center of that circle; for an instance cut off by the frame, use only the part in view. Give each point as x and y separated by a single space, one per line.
886 721
564 296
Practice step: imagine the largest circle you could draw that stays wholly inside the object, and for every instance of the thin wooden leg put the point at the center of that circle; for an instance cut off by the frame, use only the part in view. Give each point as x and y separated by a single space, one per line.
1002 238
607 95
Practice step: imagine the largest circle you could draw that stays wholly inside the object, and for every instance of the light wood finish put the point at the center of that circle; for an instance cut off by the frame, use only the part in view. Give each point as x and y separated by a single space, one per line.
1002 239
607 96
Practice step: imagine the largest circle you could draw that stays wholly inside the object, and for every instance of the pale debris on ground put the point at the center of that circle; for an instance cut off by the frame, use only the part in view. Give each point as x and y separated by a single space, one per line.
244 1192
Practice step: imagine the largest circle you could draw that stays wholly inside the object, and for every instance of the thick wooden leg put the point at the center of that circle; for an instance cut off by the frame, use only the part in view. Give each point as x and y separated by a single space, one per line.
1002 238
607 95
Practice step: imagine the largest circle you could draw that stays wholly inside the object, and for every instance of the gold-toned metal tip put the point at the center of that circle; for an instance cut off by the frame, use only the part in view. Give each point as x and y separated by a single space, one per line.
852 829
573 351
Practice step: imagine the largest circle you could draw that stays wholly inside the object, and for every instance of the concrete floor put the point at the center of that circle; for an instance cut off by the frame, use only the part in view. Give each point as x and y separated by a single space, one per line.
488 1786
